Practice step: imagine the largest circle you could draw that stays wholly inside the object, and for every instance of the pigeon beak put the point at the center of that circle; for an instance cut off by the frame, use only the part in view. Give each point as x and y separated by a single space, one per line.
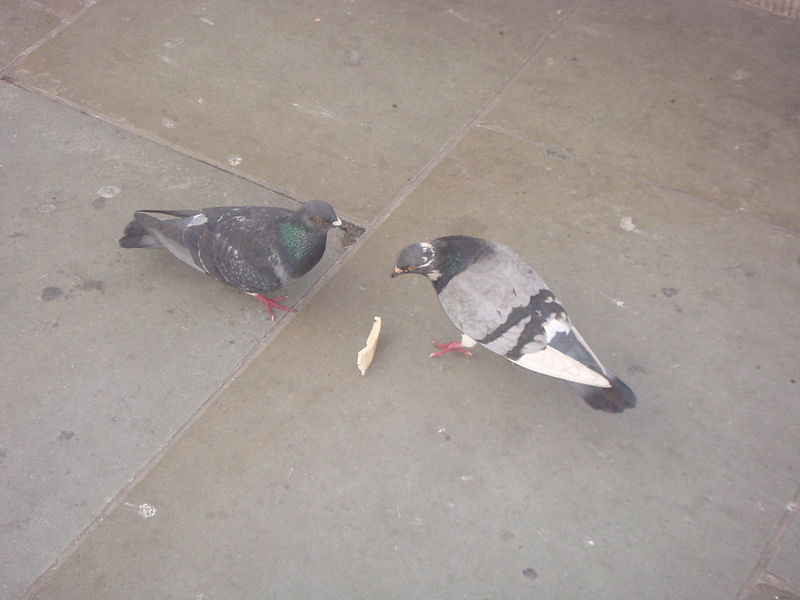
337 223
397 271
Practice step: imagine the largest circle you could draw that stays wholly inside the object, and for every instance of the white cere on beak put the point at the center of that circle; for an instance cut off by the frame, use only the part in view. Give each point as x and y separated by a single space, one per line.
337 223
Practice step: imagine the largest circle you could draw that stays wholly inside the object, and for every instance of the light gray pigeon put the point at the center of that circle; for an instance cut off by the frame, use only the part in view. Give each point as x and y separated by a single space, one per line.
495 299
257 249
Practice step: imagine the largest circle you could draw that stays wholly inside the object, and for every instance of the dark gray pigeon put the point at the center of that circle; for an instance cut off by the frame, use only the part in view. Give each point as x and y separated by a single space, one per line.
257 249
498 301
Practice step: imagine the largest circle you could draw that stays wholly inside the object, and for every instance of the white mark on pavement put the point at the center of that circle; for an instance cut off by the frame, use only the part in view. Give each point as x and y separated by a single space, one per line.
739 74
168 123
619 303
108 191
234 160
206 20
458 15
317 112
146 511
626 223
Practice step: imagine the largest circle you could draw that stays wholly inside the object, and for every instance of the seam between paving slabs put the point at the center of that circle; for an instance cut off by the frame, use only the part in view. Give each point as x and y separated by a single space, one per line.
563 15
561 153
170 146
45 9
759 573
66 21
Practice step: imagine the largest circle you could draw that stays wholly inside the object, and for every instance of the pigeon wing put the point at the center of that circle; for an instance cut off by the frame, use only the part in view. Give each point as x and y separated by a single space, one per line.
505 305
238 245
235 245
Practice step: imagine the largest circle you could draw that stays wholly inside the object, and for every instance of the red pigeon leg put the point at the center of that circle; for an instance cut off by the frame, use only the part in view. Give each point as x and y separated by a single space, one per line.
445 348
271 303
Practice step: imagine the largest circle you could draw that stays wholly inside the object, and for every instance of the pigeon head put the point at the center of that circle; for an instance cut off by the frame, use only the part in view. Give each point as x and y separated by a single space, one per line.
418 258
442 259
318 215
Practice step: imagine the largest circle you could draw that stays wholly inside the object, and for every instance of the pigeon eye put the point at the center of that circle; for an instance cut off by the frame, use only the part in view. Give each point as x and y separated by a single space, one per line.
412 268
317 220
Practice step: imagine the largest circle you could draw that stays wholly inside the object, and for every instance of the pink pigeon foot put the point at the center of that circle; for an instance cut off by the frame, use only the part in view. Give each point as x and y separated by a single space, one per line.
271 303
445 348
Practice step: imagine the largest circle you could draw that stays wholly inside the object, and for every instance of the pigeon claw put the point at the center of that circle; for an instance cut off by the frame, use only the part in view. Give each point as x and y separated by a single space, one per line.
271 303
445 348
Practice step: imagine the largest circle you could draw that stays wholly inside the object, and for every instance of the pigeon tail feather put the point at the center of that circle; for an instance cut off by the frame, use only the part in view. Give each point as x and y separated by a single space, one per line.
614 399
136 236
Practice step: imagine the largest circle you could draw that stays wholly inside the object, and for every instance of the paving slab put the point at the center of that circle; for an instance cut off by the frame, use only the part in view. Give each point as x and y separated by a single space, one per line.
343 101
765 591
471 478
20 26
64 8
106 352
699 96
786 563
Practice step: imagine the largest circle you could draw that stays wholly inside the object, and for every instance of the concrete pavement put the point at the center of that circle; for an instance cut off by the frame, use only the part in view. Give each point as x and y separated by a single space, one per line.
160 441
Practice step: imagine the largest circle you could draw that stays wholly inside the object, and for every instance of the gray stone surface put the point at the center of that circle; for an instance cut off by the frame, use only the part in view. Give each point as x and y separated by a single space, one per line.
683 93
768 592
457 477
106 352
655 222
787 562
64 8
20 26
337 100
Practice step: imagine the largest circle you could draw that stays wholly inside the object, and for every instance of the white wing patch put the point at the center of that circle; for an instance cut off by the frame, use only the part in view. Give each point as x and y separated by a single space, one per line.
555 325
467 341
550 361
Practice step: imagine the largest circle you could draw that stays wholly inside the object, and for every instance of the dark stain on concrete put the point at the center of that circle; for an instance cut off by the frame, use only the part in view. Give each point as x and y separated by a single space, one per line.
353 59
51 292
669 292
67 435
557 153
99 203
530 573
